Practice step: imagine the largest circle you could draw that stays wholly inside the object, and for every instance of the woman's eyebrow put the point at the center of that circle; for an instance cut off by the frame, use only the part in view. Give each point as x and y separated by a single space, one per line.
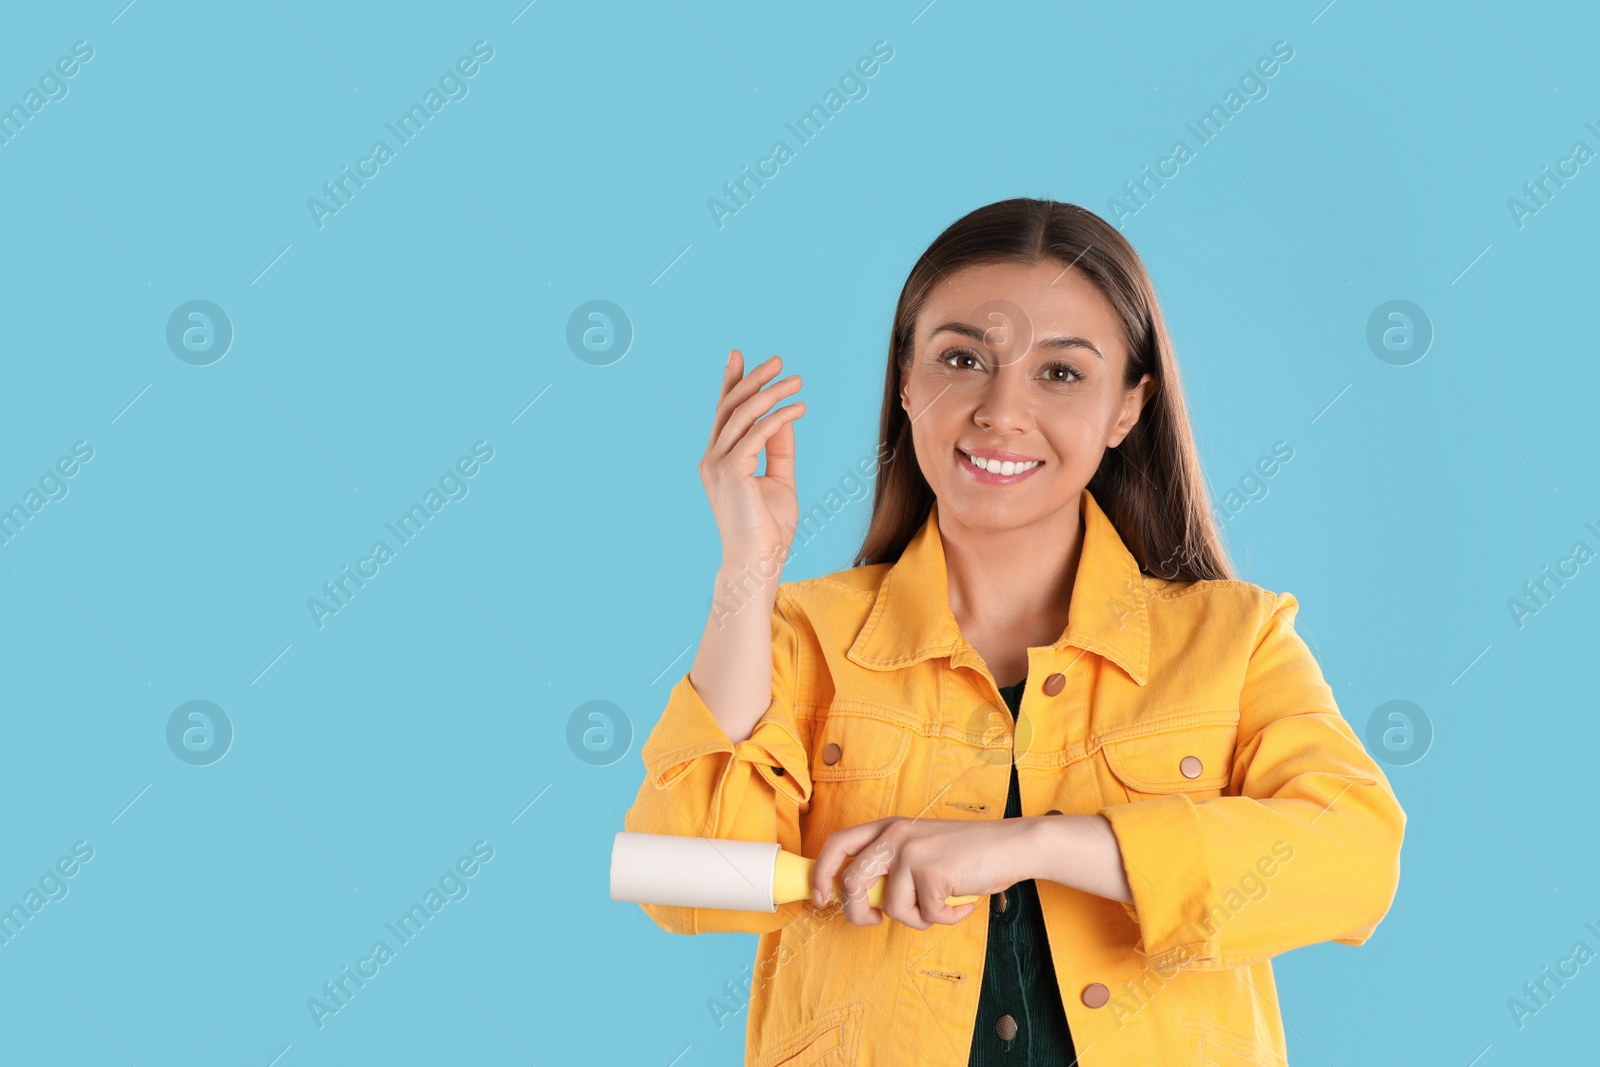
1052 343
1069 342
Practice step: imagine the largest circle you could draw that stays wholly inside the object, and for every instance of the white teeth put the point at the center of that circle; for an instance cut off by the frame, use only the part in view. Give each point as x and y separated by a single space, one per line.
994 466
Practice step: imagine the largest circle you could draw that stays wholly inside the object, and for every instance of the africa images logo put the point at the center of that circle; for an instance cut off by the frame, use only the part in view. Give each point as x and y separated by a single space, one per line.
452 86
452 485
452 886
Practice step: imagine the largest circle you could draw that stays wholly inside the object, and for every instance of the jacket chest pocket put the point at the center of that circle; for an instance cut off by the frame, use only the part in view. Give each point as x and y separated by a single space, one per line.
856 760
1197 760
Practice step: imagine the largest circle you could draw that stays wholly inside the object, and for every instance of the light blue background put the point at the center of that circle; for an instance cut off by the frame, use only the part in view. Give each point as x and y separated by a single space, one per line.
425 316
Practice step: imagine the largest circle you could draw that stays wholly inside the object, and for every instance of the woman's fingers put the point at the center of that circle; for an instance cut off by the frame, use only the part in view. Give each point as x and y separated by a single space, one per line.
756 517
765 434
732 375
835 852
900 894
838 848
738 387
866 868
780 445
913 894
736 433
931 907
744 416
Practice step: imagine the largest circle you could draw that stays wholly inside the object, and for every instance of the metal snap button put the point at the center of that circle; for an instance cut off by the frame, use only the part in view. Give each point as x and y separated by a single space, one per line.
831 754
1054 684
1190 766
1095 995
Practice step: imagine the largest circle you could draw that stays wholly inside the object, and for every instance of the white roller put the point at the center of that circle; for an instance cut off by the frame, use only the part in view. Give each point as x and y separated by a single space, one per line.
693 872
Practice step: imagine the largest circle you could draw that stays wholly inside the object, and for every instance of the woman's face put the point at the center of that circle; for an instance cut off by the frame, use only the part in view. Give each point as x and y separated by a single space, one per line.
1023 363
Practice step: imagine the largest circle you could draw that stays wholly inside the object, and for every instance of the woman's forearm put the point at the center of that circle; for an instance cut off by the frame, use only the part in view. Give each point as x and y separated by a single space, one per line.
732 669
1080 851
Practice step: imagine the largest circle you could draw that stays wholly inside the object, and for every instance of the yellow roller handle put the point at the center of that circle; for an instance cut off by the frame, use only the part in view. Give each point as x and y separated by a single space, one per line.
791 881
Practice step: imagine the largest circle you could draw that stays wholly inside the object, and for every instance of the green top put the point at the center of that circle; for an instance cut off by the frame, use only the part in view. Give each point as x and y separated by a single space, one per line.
1020 995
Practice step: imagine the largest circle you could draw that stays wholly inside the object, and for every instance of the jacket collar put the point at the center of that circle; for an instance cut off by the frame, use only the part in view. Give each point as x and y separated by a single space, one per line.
911 619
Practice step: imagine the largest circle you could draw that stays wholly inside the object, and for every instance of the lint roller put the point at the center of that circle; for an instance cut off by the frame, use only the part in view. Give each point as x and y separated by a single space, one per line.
706 872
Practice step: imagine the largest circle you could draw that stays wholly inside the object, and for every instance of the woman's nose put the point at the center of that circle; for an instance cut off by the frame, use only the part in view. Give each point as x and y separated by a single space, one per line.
1004 402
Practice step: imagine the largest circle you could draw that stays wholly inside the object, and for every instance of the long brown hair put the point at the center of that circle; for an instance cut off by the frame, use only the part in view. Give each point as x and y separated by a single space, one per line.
1150 486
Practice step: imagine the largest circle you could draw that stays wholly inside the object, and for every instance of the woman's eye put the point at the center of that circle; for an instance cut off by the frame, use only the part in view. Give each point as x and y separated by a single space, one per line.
957 354
1055 373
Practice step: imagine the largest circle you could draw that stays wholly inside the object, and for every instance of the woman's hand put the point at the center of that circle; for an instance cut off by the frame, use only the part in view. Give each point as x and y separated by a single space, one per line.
755 516
926 860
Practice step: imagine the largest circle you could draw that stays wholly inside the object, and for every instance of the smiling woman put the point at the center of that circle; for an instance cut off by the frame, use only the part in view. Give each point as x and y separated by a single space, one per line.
1041 684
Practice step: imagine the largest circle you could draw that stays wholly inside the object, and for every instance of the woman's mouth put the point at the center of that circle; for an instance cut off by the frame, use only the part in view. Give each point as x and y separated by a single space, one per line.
995 471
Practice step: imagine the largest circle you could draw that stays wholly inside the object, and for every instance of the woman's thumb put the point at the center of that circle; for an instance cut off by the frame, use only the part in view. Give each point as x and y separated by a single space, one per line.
780 453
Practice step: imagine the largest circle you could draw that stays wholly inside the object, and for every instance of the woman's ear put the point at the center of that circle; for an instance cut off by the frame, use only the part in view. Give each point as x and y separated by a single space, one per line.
1133 405
1150 386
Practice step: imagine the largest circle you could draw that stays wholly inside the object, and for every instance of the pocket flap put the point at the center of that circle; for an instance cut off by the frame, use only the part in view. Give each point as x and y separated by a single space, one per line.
851 745
1175 761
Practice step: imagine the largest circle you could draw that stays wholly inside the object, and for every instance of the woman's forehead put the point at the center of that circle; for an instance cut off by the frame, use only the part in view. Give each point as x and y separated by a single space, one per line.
1031 300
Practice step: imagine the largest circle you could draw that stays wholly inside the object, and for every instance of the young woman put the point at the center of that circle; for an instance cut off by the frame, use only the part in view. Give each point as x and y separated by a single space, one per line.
1041 683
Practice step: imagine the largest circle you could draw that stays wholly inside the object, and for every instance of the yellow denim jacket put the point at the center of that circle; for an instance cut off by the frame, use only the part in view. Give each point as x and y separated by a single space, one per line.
1190 714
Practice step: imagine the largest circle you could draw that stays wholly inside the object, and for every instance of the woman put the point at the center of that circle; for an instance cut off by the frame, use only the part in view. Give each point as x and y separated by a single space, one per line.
1040 683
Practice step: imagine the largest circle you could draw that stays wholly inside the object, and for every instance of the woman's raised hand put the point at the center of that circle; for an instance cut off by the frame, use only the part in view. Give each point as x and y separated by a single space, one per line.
755 516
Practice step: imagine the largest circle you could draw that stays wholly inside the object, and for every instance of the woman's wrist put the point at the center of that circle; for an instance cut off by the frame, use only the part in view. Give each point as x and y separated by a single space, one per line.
1080 851
732 669
742 580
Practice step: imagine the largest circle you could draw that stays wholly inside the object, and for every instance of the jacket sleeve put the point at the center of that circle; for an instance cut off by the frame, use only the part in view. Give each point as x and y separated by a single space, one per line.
699 783
1304 848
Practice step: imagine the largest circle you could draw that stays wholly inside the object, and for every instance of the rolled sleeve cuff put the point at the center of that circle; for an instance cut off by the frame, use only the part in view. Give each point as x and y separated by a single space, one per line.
1164 858
688 732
